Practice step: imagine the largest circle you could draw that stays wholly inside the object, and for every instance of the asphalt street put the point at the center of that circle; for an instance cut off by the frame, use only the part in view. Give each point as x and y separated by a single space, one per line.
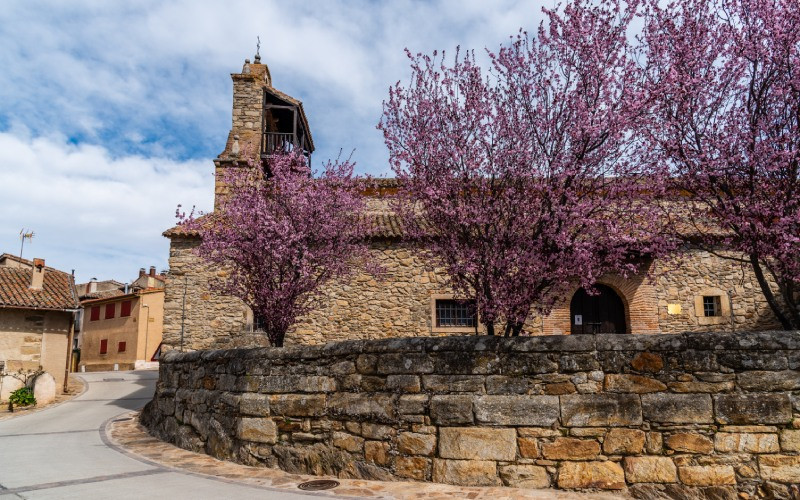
61 453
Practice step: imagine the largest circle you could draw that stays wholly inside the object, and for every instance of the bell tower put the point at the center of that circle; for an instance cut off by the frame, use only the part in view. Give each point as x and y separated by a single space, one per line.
264 120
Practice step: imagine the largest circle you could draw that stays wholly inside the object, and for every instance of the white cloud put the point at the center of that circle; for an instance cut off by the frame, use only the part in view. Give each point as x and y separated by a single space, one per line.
99 215
112 111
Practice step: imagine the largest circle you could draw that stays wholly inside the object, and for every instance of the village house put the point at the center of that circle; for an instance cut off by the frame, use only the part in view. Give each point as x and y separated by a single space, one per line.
695 291
37 308
122 326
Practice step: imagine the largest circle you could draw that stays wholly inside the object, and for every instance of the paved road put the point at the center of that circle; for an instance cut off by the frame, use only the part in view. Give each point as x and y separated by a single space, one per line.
60 453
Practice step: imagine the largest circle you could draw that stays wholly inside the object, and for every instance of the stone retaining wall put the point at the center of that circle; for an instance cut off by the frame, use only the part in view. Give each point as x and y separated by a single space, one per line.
715 415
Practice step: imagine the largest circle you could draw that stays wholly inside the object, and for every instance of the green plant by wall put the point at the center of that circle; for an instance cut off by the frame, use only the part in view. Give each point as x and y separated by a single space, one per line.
22 397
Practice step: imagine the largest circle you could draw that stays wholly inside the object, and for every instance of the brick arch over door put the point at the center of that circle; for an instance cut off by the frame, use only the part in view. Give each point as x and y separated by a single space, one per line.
638 296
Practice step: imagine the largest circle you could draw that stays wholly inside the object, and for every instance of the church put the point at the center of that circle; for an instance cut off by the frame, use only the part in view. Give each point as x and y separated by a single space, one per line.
695 290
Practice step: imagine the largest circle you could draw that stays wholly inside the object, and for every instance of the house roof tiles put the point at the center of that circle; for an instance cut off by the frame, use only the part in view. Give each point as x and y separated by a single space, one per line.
15 291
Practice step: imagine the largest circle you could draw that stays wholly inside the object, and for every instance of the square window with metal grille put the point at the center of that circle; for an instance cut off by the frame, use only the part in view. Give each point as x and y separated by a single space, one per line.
455 313
259 323
712 306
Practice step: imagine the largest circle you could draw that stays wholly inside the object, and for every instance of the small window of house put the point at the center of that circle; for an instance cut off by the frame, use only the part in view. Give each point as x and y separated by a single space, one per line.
121 347
712 306
104 346
110 310
125 309
94 315
455 313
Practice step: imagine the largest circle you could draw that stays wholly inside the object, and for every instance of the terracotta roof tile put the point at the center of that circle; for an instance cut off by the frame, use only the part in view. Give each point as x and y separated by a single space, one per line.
56 292
382 225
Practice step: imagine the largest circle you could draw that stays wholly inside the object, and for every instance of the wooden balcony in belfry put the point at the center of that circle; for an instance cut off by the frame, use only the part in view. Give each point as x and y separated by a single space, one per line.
284 127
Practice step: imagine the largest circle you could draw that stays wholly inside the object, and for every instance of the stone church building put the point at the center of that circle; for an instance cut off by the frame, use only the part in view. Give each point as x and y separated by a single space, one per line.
694 291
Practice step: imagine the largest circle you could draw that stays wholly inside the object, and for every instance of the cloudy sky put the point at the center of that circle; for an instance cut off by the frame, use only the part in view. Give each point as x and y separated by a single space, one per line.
111 111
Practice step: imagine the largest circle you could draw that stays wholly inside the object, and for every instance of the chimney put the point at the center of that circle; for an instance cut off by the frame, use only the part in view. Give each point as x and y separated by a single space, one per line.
91 287
152 271
141 272
38 274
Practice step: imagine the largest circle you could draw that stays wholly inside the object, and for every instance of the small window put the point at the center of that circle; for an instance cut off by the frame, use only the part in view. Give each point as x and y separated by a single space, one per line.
94 315
121 347
110 310
455 313
712 306
259 324
125 309
104 346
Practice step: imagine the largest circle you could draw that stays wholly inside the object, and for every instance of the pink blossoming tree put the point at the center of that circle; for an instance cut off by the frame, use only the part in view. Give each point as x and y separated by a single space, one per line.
724 78
519 181
281 237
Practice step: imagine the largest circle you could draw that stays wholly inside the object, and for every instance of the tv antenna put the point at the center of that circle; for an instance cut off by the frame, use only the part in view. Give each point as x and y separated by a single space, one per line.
22 237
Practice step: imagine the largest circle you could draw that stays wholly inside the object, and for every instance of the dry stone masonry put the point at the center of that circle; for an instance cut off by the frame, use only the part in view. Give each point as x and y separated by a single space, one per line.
714 415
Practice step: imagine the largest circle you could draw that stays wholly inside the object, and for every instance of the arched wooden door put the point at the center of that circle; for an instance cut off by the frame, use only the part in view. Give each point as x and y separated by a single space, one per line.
600 313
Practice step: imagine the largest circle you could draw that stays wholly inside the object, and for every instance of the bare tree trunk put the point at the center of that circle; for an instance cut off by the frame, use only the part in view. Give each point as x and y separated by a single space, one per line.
767 291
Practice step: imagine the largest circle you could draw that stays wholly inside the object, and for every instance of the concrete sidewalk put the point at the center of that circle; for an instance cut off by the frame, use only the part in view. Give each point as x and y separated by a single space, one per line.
126 435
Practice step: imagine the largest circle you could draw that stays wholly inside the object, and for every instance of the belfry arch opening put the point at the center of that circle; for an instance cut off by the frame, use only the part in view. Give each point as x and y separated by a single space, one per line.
601 312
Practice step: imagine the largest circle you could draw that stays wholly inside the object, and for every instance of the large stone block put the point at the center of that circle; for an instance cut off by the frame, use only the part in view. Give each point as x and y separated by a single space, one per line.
403 383
790 440
650 470
598 410
624 382
370 406
413 443
753 408
707 475
257 430
647 362
528 447
254 405
752 360
467 363
297 405
413 467
780 468
412 404
477 443
453 383
528 364
767 381
677 408
599 475
466 472
377 452
517 410
410 363
525 476
621 441
448 410
725 442
571 449
348 442
296 383
689 442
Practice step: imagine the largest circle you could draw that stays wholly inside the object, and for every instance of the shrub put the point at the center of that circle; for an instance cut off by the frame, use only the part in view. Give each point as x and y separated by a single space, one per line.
22 397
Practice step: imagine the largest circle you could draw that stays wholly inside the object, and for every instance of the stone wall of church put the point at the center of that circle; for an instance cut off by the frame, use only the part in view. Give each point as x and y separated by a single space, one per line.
696 415
665 298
